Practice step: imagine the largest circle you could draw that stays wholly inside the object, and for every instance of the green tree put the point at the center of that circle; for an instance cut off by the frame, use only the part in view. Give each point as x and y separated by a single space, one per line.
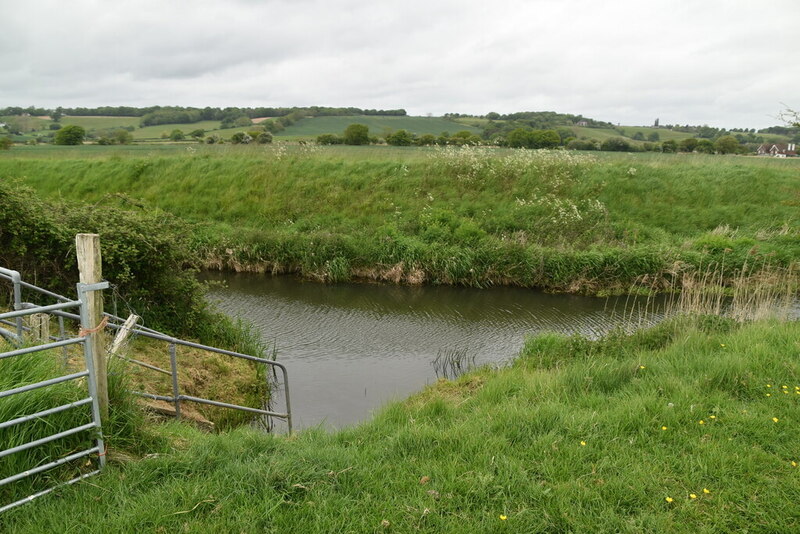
638 136
426 140
356 134
198 133
669 146
264 138
5 143
520 138
688 144
704 146
70 135
177 135
546 139
653 137
727 144
122 137
400 138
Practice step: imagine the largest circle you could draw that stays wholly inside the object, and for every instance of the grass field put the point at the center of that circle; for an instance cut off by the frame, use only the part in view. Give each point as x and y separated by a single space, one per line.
100 123
312 127
689 427
601 134
557 220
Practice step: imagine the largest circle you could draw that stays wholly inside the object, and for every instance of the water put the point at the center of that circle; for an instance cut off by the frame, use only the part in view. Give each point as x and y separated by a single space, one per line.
350 348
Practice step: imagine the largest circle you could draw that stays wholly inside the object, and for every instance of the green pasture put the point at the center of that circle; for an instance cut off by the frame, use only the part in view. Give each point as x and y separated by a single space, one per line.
100 123
378 125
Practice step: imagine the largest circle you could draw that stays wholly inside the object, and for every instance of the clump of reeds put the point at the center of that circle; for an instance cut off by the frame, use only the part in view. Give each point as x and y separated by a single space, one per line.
752 293
452 363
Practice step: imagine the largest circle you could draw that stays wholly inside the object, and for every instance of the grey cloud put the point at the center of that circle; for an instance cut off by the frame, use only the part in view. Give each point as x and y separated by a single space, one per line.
721 62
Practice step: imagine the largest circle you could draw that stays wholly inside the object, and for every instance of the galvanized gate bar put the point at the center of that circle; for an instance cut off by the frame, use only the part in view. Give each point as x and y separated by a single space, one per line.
45 413
51 465
234 406
40 309
43 384
48 490
38 348
48 439
21 309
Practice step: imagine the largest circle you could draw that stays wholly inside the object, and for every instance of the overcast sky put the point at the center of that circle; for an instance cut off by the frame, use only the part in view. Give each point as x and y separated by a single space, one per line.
726 63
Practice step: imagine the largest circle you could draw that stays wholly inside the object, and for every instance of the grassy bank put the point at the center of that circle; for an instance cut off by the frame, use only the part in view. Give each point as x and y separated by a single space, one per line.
687 427
557 220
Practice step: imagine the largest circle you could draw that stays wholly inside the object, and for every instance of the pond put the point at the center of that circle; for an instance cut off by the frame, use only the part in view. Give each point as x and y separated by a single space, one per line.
350 348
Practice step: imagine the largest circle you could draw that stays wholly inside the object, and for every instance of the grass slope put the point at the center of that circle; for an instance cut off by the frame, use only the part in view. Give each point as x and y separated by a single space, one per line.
684 428
549 219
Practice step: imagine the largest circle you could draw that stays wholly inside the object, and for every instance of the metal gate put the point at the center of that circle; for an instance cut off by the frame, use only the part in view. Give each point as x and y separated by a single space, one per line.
18 339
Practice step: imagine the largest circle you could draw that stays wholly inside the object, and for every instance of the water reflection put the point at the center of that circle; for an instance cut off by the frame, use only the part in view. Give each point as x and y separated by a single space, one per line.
352 347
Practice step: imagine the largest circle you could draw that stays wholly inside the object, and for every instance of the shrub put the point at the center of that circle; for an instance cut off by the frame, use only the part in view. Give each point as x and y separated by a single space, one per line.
356 134
70 135
400 138
5 143
329 139
615 144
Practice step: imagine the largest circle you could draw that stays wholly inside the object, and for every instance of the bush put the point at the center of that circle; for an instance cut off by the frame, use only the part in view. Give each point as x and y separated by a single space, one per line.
400 138
240 138
329 139
177 135
5 143
264 138
581 144
70 135
146 255
356 134
616 144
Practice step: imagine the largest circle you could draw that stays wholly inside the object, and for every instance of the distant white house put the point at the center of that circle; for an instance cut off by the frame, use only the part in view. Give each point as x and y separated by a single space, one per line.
778 150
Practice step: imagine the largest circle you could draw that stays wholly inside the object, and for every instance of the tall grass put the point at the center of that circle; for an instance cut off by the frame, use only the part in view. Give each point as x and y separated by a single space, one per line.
469 216
686 427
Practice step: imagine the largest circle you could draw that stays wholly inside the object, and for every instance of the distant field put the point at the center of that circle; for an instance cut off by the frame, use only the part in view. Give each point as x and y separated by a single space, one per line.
101 123
154 132
377 125
602 134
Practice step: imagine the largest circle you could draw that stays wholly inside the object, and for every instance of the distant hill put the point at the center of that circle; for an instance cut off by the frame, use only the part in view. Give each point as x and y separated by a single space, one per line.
378 125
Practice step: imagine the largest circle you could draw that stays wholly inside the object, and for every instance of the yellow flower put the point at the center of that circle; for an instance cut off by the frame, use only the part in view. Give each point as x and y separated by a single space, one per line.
769 385
706 491
775 419
583 443
702 422
769 394
794 464
712 416
722 344
503 517
663 428
669 499
692 496
641 367
783 387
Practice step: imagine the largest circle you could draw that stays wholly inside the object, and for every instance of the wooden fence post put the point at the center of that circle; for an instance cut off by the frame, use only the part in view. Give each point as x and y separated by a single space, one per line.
87 247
